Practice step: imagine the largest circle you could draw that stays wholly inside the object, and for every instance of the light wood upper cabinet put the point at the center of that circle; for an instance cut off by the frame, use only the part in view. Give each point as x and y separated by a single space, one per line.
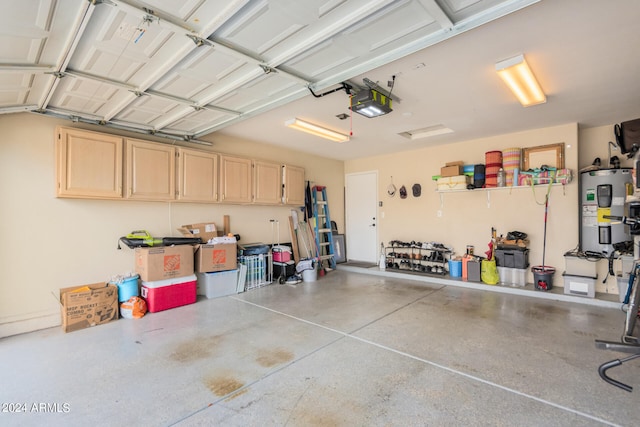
150 171
197 176
95 165
235 179
89 164
294 185
267 183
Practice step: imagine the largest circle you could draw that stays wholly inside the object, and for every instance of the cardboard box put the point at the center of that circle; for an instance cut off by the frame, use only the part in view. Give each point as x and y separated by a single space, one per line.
458 182
170 293
88 305
205 231
452 169
164 262
218 257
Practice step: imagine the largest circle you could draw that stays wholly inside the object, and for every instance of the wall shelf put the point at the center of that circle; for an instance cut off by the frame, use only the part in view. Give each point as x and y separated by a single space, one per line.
489 189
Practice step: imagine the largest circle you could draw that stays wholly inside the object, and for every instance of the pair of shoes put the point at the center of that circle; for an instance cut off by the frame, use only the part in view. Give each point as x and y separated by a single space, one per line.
293 280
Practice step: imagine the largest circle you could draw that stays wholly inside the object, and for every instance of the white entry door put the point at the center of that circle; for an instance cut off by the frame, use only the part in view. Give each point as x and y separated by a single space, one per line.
361 210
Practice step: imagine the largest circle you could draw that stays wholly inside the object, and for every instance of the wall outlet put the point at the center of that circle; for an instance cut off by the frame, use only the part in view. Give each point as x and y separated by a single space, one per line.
439 213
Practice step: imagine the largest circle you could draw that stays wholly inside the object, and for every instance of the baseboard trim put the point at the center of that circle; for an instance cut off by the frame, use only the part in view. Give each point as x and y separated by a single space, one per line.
16 327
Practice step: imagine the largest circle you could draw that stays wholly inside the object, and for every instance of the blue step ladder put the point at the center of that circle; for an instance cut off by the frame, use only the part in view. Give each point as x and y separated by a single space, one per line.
322 226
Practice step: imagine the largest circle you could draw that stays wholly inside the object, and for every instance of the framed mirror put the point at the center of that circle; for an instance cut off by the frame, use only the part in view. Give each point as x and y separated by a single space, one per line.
551 155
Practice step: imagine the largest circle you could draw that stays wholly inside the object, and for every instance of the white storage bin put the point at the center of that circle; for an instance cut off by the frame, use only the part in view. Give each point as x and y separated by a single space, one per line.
579 285
623 285
626 264
217 284
512 276
578 266
518 277
505 275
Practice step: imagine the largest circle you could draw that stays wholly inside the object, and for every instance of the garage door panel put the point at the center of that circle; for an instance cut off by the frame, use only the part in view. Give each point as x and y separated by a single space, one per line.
260 90
147 109
198 120
206 70
365 39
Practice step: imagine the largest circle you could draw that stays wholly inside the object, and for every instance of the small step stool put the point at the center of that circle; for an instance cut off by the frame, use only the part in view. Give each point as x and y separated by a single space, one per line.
324 235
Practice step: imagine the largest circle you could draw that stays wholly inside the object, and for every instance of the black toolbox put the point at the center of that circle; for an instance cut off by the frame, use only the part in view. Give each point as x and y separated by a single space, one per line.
512 258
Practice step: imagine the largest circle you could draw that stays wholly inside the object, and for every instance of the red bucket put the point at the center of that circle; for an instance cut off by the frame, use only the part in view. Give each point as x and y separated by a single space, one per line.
543 277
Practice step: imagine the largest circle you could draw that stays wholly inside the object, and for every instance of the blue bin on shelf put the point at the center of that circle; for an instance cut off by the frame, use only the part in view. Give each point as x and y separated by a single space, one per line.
455 268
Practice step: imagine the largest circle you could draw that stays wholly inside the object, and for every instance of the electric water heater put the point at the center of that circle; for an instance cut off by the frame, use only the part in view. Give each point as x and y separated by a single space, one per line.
603 193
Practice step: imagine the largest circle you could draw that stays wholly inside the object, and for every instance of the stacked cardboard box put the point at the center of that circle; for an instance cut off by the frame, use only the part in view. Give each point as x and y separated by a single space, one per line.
167 276
215 263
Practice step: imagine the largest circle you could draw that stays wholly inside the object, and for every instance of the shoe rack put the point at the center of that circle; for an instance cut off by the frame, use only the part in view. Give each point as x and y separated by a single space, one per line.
419 257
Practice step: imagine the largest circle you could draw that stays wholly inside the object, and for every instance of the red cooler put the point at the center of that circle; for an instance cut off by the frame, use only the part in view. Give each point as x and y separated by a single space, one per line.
170 293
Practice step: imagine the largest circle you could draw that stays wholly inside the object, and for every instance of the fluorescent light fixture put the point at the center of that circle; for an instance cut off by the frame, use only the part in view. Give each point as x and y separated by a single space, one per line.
371 103
515 72
426 132
316 130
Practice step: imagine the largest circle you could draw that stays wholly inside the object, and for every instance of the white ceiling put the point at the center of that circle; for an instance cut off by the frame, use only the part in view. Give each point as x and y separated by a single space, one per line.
185 69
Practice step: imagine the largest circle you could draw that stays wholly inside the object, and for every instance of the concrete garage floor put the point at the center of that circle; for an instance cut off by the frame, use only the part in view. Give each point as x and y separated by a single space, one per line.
349 350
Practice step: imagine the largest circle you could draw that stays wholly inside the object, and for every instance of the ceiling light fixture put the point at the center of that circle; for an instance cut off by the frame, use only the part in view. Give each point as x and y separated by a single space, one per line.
371 103
316 130
515 72
426 132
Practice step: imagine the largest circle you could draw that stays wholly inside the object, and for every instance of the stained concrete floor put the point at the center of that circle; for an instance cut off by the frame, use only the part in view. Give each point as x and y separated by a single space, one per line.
348 350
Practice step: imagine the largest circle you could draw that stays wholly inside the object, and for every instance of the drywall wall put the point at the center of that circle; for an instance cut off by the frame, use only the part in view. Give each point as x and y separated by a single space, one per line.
594 143
466 218
50 243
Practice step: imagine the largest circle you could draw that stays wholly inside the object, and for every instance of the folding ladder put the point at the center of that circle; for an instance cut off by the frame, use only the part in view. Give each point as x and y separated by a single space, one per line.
324 235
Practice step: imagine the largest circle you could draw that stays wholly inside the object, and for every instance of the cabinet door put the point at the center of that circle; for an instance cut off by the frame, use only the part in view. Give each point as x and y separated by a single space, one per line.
151 171
235 179
293 185
89 164
197 176
267 183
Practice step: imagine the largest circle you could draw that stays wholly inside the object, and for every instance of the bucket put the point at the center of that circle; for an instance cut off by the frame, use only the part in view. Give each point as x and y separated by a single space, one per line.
511 162
493 163
128 288
543 277
455 268
310 275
